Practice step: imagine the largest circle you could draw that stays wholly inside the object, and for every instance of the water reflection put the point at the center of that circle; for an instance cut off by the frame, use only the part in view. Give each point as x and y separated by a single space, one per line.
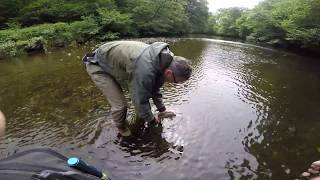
284 101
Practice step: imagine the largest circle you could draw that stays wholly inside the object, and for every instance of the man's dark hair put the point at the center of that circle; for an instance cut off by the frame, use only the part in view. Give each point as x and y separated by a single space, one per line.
181 67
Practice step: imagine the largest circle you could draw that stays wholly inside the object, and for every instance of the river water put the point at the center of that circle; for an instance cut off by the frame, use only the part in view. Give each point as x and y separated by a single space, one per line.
246 113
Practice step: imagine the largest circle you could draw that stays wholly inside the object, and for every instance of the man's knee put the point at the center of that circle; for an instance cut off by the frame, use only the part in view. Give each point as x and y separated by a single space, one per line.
119 116
119 110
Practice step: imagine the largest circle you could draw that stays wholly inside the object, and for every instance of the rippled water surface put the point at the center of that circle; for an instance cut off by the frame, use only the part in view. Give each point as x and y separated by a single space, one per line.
246 113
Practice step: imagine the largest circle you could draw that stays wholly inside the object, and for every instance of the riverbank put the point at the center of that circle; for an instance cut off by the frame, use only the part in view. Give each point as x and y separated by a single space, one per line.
290 46
42 38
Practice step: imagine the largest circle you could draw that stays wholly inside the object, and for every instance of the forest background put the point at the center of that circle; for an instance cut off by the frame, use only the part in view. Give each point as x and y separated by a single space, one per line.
37 25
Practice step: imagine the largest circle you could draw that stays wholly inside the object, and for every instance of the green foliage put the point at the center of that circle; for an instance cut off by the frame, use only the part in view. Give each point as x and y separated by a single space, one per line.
242 23
290 22
41 11
114 20
212 24
226 21
8 49
109 36
13 24
10 9
33 44
123 17
41 37
17 41
295 21
84 30
41 24
276 22
300 19
260 22
27 12
197 13
158 17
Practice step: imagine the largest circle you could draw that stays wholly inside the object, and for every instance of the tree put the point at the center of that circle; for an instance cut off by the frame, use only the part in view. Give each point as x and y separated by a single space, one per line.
226 21
114 20
212 24
197 13
10 9
158 17
300 19
293 22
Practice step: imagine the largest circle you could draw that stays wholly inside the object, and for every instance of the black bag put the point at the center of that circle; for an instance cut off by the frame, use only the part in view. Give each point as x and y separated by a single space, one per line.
90 58
39 164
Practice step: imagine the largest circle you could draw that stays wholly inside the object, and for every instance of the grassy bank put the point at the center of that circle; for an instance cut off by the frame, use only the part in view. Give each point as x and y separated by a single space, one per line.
16 41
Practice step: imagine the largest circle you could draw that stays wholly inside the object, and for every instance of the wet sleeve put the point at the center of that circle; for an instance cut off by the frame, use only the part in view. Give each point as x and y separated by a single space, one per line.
141 90
157 100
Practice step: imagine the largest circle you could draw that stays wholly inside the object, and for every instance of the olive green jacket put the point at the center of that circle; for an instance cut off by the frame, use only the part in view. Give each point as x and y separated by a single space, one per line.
141 66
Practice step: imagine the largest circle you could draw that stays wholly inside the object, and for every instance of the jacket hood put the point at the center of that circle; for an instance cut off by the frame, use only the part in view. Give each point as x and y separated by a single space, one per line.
163 61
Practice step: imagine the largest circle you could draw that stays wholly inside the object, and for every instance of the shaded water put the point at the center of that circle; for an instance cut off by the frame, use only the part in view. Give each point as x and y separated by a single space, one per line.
246 113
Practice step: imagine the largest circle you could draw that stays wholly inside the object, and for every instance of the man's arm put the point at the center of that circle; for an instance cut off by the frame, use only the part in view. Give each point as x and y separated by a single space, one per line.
157 100
141 91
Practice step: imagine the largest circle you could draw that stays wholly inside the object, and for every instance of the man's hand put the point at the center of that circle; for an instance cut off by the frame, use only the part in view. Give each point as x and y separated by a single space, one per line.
157 118
165 114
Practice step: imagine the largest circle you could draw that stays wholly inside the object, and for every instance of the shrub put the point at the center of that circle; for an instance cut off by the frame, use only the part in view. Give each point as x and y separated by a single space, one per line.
8 48
41 37
84 30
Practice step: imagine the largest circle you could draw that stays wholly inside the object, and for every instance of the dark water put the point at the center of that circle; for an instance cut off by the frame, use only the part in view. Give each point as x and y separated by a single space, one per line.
246 113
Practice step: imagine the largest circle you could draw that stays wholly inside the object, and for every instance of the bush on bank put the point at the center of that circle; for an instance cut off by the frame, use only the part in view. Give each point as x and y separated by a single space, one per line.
41 37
